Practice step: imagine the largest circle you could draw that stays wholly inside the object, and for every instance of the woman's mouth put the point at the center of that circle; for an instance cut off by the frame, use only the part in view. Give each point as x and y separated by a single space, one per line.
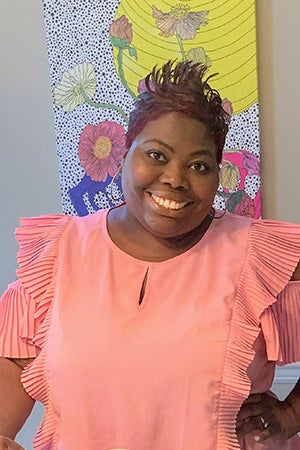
167 203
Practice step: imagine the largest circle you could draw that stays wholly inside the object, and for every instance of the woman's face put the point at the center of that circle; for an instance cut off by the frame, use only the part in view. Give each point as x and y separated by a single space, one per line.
170 176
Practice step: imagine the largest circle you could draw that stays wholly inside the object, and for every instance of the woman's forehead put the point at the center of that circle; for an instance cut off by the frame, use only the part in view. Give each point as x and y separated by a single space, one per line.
176 126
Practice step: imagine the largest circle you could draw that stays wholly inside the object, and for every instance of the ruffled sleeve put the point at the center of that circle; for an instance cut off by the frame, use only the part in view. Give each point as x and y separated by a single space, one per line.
272 256
25 304
280 325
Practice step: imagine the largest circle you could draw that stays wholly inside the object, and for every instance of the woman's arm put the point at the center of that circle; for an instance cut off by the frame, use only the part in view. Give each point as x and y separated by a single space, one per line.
15 403
267 416
296 274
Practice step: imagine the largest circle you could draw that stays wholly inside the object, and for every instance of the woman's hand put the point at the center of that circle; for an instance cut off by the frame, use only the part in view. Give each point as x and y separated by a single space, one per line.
8 444
266 416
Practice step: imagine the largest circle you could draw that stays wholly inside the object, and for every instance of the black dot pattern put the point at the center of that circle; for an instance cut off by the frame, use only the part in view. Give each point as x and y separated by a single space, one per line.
244 131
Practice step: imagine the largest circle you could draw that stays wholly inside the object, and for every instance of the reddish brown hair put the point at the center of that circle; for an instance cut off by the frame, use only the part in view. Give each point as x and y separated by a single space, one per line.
180 87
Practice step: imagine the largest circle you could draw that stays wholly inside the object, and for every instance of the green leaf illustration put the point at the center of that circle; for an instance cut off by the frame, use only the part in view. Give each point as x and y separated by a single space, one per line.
234 200
132 52
118 42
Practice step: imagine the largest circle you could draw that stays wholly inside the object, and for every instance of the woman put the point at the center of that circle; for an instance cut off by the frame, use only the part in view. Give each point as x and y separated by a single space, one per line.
146 327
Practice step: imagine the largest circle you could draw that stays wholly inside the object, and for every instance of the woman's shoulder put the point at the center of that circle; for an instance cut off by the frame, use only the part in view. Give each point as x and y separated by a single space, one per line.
53 224
40 240
272 251
267 245
269 226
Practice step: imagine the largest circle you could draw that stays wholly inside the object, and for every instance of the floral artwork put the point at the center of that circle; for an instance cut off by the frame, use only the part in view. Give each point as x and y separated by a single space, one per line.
120 34
77 86
100 152
100 149
99 54
182 23
239 190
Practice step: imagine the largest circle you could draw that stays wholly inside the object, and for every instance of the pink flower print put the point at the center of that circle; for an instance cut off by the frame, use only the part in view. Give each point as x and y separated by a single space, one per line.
245 198
121 29
227 106
101 149
251 163
245 207
142 86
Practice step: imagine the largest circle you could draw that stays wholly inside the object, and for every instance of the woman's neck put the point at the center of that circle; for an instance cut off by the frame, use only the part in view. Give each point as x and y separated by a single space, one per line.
143 245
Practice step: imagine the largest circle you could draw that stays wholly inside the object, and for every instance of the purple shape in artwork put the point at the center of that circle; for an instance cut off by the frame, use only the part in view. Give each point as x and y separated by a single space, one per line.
90 187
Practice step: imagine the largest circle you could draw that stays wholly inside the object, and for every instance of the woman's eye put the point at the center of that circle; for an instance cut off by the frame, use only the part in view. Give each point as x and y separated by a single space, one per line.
156 155
200 167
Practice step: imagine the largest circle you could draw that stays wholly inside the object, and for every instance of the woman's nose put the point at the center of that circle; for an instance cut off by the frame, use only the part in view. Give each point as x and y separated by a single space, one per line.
175 176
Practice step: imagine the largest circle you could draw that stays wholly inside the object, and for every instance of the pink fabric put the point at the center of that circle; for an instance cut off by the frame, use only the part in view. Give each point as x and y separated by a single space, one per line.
17 315
281 328
171 373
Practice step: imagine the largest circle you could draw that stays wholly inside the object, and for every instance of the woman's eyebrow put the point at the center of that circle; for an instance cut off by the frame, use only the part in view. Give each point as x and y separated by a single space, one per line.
159 141
200 152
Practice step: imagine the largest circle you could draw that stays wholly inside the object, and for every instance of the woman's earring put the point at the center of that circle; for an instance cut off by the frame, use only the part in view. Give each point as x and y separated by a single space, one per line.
111 186
212 213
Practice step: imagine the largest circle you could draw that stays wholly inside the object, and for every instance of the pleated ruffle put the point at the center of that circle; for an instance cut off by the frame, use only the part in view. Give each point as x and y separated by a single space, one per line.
39 246
280 325
38 239
16 313
273 254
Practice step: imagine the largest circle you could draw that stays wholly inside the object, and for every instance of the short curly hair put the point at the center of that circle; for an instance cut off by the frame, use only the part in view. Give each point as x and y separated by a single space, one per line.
180 87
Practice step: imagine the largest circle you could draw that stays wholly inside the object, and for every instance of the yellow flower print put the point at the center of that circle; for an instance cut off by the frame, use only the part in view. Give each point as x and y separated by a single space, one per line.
229 176
198 55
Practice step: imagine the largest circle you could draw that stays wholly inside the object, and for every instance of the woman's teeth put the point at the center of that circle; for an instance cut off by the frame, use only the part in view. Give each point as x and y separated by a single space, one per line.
169 204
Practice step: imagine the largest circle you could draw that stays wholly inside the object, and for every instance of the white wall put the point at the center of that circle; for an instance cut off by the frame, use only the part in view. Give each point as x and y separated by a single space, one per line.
28 163
278 42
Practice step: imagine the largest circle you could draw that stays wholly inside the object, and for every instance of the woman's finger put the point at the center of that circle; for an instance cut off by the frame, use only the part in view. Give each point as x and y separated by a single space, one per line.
253 398
250 410
257 423
266 433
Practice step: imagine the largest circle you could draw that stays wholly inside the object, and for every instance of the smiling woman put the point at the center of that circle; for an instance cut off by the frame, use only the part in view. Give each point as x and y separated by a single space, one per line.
155 324
169 178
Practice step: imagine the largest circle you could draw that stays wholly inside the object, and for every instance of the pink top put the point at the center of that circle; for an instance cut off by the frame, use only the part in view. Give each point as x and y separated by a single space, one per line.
171 373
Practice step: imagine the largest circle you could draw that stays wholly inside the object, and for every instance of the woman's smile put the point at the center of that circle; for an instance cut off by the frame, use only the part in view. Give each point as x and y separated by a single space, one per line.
168 203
